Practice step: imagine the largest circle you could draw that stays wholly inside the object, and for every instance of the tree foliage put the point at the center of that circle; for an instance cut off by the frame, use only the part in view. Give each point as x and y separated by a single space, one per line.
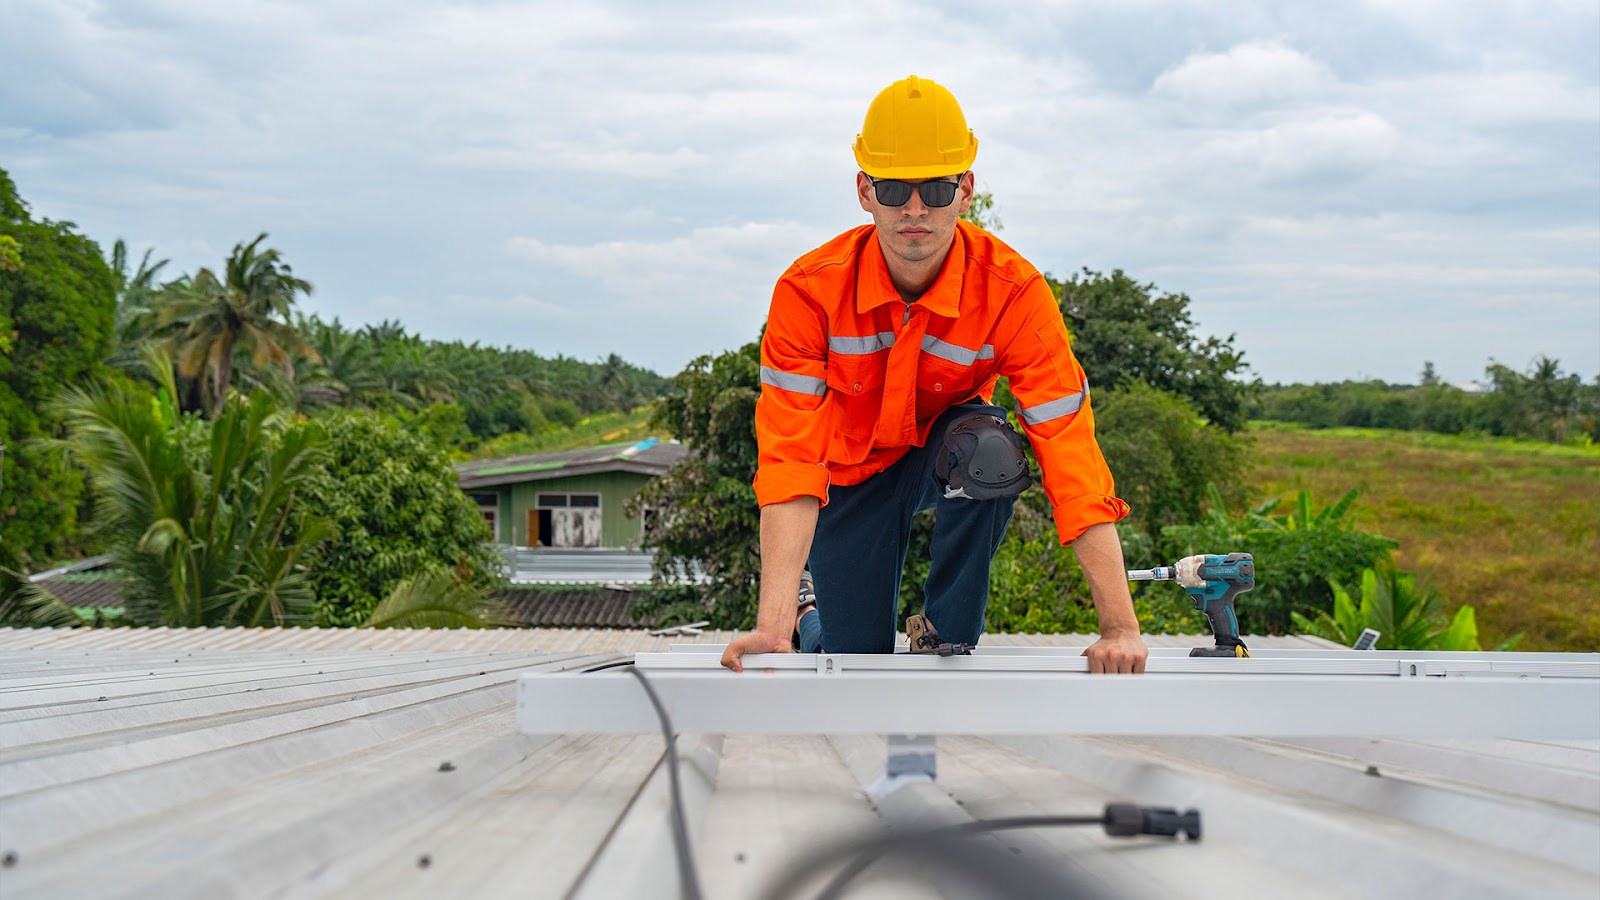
712 524
437 598
201 518
56 303
207 319
1124 331
395 510
1163 455
1542 403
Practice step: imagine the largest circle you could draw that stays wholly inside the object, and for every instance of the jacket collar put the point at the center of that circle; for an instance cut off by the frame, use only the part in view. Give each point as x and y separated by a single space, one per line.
874 287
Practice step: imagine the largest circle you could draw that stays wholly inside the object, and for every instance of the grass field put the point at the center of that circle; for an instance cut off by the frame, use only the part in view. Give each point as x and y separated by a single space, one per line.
1512 528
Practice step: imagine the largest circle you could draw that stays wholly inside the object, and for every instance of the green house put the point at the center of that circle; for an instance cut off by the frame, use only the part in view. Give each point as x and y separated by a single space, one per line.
568 498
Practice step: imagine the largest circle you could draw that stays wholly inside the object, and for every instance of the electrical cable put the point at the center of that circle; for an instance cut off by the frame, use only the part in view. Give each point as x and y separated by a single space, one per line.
688 878
610 665
946 849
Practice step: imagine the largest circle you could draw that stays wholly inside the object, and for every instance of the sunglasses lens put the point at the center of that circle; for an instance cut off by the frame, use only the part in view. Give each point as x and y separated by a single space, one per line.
935 194
938 193
892 193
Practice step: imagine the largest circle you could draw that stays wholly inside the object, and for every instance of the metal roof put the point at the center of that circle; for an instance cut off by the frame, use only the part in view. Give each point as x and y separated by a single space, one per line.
330 762
647 457
577 565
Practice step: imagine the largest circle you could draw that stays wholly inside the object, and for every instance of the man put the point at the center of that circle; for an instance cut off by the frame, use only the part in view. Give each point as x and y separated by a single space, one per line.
880 356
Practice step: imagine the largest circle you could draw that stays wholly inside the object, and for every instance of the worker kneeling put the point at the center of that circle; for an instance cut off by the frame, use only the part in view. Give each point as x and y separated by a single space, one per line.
878 367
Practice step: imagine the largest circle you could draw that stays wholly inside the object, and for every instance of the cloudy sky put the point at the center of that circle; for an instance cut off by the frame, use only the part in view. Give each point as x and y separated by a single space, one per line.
1349 187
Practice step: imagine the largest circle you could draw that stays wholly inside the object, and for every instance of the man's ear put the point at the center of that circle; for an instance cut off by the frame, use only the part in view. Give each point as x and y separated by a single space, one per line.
969 187
864 191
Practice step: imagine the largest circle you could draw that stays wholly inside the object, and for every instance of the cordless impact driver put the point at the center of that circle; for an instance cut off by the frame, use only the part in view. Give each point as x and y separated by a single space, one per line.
1213 581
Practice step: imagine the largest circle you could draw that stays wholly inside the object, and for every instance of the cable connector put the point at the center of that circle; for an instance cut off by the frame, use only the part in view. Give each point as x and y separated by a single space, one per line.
1129 819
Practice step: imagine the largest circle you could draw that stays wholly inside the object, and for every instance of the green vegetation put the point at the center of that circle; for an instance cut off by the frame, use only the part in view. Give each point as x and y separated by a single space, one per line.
1543 403
56 304
201 518
1407 616
253 465
1125 332
394 511
1505 526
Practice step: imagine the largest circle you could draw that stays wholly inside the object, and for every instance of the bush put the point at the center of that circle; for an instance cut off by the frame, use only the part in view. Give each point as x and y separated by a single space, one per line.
396 510
1296 556
1406 613
1164 455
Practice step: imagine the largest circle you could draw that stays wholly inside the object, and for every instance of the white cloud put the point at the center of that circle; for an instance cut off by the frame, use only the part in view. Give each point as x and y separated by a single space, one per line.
390 148
1247 73
719 267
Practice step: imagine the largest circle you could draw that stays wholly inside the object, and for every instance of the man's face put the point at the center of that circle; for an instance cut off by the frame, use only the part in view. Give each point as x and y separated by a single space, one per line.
914 232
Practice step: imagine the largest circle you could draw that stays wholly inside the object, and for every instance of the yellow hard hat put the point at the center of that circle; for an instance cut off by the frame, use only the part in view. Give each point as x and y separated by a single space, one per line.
915 129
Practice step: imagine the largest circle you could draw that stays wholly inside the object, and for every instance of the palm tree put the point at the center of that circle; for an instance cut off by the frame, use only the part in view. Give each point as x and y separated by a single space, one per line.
136 293
201 517
249 309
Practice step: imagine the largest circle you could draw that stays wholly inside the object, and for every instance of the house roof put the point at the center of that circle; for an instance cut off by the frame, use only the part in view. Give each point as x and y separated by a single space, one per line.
647 457
327 762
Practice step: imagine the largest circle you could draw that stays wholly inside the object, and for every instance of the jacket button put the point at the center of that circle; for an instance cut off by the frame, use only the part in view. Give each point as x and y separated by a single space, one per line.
937 387
857 387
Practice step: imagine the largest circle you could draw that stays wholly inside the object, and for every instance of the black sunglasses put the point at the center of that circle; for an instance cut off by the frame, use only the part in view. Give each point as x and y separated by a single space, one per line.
935 194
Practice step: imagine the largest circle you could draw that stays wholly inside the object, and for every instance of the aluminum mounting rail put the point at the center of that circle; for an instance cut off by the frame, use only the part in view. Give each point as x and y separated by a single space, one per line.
1324 693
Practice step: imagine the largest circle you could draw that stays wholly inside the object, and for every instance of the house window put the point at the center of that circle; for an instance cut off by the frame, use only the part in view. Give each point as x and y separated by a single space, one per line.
565 520
489 508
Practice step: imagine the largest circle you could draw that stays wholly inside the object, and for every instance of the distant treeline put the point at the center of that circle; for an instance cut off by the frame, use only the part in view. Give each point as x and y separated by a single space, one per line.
1542 403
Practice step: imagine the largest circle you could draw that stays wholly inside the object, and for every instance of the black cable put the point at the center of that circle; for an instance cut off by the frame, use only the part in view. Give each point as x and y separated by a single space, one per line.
609 665
688 879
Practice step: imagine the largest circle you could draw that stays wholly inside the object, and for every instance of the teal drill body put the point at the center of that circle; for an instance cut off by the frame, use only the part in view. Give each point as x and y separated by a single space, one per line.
1225 577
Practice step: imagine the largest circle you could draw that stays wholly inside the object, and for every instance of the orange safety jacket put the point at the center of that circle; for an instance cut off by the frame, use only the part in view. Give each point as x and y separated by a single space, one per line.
852 376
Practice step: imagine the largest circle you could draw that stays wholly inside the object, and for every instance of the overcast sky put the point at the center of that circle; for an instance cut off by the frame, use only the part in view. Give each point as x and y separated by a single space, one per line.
1350 187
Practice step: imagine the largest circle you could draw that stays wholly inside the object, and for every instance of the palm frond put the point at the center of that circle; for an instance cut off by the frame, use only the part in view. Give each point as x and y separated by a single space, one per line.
435 599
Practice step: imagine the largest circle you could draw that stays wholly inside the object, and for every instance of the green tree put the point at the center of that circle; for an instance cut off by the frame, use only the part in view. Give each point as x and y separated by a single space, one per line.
56 307
982 212
396 510
248 309
711 523
1124 331
203 519
1164 455
137 294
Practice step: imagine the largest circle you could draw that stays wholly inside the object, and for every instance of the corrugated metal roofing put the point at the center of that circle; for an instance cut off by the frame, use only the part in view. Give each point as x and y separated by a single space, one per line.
593 608
571 565
313 762
647 457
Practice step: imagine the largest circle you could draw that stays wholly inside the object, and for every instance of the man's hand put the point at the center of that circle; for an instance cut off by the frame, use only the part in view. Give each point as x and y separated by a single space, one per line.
1122 653
754 642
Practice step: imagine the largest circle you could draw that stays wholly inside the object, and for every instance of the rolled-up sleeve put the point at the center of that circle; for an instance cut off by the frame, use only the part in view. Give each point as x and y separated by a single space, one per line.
1054 404
793 413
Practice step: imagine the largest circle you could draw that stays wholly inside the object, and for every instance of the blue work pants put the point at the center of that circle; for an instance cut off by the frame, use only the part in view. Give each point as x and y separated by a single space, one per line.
859 551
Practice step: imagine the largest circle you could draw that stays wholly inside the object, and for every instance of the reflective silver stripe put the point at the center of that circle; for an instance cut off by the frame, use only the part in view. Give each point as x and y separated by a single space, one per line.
959 355
1055 409
800 384
855 346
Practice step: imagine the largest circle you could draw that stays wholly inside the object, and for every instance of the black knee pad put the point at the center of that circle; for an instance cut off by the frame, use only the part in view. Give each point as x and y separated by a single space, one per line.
981 457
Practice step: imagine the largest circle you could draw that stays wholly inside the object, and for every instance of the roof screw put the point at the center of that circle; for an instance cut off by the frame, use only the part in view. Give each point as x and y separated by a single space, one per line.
738 857
9 860
1373 771
99 699
424 861
447 766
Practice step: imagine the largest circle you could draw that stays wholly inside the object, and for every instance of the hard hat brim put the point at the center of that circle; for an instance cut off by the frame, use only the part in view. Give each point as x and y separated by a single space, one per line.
940 170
